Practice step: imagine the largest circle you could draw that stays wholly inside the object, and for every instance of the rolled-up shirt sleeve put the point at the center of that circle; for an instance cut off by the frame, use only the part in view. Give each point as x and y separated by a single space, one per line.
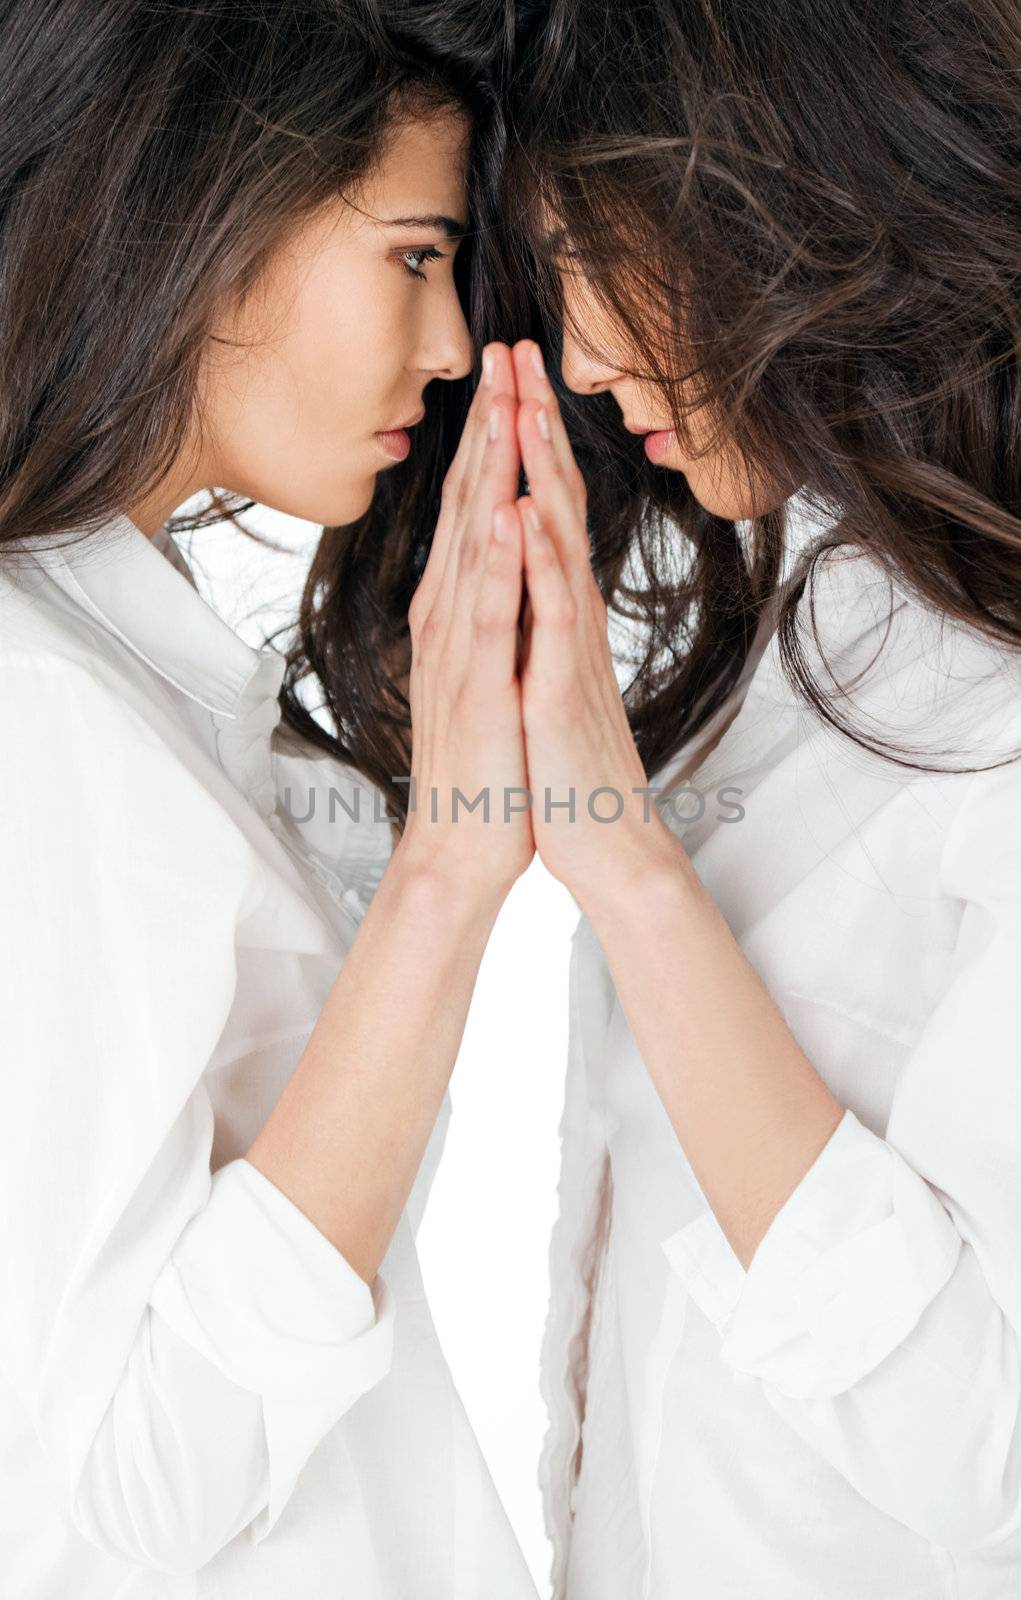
182 1338
881 1311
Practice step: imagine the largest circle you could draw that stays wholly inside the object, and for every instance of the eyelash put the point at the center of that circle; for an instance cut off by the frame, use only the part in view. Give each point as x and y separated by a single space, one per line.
425 253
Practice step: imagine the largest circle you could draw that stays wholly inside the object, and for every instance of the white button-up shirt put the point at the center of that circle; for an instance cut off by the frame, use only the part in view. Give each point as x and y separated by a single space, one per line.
843 1418
199 1396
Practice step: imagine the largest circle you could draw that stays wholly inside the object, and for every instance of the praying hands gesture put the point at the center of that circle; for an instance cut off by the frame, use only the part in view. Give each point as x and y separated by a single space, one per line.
467 738
541 726
592 819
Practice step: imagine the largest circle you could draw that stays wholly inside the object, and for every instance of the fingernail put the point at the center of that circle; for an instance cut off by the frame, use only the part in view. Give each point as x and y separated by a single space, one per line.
535 357
533 518
487 367
542 422
494 423
500 527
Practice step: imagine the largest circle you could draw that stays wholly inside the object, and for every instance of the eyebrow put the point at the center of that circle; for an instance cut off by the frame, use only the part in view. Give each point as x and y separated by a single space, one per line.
451 227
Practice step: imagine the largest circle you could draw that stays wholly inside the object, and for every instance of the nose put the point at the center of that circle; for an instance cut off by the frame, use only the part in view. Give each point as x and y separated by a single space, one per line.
445 346
585 369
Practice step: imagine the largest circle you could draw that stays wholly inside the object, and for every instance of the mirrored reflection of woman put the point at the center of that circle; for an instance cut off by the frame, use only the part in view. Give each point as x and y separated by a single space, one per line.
780 250
231 1000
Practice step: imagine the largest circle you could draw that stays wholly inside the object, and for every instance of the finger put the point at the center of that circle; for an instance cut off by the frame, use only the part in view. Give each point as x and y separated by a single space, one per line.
557 504
497 604
554 609
497 471
499 465
526 613
497 376
431 581
533 384
497 483
525 626
494 461
502 394
497 379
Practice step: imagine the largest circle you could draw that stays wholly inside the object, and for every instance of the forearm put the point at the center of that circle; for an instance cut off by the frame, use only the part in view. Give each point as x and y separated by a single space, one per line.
348 1133
748 1107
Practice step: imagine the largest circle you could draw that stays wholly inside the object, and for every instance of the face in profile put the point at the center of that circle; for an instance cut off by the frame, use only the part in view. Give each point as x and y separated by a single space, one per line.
329 355
717 473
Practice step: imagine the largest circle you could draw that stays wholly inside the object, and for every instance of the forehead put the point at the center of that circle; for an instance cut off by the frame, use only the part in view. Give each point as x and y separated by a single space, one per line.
423 168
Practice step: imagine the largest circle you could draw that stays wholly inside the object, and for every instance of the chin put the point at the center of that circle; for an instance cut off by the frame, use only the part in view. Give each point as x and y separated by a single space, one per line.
332 509
735 500
354 503
731 508
725 509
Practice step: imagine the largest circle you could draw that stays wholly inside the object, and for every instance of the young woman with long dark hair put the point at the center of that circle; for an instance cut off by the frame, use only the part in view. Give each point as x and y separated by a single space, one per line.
235 250
779 250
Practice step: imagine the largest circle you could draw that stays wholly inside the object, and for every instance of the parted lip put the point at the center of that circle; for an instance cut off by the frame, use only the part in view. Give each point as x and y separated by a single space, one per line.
397 426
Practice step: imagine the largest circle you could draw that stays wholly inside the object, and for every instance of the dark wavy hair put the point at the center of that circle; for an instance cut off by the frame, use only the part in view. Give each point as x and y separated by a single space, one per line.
153 153
807 217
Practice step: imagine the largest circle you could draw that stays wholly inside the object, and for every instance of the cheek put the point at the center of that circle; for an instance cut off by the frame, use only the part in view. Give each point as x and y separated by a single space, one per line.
344 352
294 419
333 364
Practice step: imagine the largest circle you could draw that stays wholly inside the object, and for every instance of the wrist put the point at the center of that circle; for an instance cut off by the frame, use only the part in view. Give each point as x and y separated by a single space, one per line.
431 882
641 873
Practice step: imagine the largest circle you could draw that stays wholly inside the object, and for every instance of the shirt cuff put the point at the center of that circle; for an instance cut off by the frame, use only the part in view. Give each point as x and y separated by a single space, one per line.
839 1279
255 1286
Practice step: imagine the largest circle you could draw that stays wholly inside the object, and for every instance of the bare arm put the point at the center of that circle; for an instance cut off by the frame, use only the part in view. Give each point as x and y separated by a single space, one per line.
347 1135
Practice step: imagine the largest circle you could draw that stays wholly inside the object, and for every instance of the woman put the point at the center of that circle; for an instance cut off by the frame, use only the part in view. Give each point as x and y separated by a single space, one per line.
228 258
783 1356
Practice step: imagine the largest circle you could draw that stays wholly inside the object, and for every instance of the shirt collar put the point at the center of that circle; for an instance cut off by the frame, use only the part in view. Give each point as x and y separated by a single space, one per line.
140 590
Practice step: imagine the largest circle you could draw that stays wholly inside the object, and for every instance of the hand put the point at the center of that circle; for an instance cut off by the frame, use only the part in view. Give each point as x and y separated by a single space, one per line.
464 692
577 736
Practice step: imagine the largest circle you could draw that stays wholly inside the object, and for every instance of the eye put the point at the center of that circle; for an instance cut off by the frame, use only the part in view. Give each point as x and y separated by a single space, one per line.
413 259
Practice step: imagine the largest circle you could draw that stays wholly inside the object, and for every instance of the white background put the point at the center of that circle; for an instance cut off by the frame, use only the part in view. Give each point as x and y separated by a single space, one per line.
484 1241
